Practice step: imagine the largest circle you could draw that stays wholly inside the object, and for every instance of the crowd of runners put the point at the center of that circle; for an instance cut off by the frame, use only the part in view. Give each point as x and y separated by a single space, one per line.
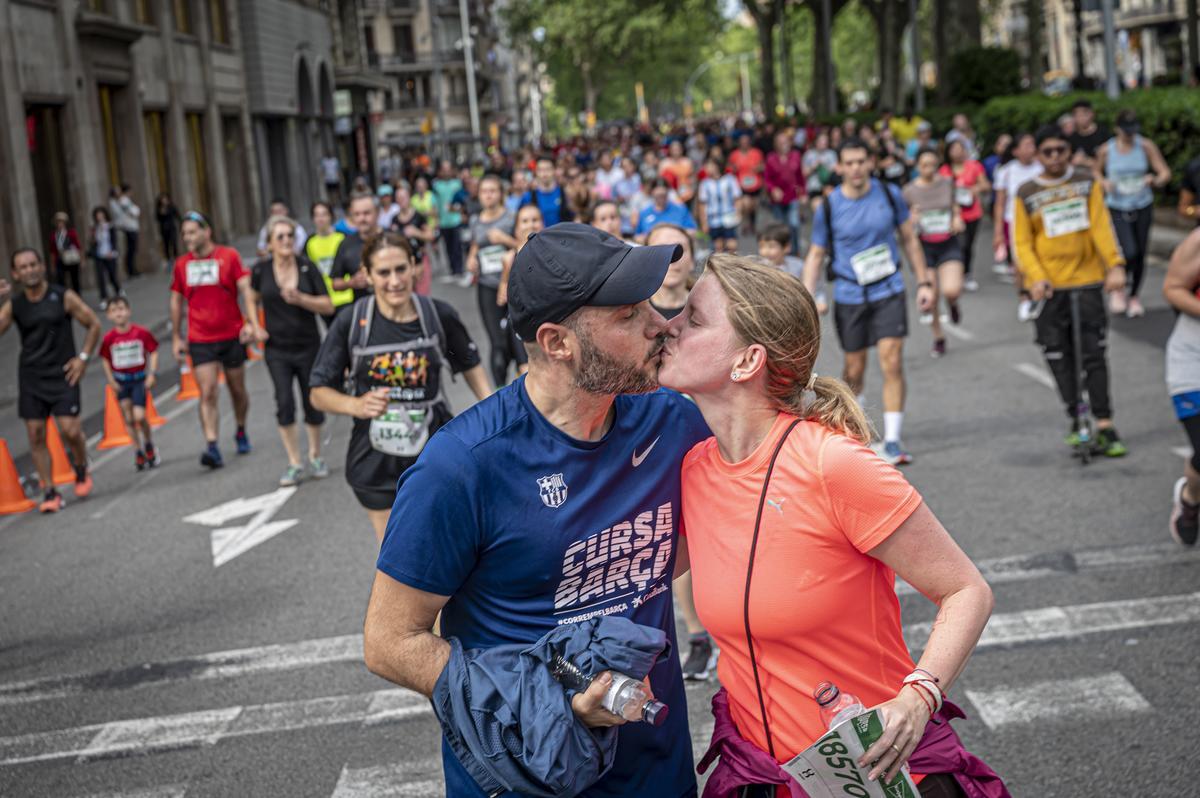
342 313
557 244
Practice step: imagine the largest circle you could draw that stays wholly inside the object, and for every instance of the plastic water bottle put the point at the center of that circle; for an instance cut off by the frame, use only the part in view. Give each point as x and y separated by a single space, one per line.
626 696
836 707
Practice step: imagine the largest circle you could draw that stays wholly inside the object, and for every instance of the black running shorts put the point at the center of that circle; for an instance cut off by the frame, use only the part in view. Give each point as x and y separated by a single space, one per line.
862 326
39 399
230 354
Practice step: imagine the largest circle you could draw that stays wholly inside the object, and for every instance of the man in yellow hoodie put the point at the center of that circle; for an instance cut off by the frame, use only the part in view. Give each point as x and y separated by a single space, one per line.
1065 243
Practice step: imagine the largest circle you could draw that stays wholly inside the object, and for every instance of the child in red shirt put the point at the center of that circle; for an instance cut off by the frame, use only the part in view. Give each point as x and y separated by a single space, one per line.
130 356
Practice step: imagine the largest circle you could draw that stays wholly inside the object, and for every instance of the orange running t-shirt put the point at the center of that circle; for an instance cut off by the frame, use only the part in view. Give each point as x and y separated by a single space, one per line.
821 609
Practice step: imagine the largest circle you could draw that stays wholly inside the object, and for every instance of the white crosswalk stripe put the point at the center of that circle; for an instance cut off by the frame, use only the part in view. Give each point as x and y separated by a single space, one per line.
1106 695
196 729
391 781
1065 623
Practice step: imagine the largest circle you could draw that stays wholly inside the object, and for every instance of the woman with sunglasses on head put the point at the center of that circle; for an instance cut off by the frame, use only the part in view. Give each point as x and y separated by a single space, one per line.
291 290
394 343
795 533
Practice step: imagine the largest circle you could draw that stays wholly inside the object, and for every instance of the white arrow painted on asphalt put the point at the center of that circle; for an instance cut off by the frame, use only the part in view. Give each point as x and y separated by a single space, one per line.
231 541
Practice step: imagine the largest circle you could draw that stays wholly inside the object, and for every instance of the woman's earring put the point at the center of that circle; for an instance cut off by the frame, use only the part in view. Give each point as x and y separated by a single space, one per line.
735 376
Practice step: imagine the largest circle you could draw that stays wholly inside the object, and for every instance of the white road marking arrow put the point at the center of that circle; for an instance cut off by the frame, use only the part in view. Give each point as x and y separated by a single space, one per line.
229 542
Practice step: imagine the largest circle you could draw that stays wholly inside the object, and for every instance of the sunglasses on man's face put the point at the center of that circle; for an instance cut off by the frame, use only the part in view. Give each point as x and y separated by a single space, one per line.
1052 151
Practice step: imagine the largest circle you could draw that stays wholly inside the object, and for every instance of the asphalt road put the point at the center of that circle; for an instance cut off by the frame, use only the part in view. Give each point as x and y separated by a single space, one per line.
131 664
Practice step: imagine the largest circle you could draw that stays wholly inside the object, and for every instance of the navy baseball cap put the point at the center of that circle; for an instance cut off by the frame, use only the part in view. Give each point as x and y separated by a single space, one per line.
570 265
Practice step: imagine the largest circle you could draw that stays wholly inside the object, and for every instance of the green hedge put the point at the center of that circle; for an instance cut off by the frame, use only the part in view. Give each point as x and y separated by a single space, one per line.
1169 116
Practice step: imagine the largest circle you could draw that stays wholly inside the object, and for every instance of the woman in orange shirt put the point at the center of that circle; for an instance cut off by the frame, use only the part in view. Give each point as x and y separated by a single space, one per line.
787 493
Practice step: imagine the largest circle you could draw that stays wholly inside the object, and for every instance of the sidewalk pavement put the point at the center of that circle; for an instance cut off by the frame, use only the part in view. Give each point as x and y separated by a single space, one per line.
149 298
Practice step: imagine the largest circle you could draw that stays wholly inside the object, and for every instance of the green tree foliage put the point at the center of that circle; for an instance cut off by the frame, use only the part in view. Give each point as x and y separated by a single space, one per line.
978 74
595 51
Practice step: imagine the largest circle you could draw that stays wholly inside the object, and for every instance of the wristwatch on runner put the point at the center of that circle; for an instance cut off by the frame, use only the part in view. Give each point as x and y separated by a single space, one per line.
84 356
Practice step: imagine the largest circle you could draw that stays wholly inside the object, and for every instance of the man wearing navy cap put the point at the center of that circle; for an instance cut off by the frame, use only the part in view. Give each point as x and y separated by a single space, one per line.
554 500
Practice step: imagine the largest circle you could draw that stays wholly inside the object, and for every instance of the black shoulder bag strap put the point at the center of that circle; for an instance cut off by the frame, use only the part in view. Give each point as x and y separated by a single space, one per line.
762 500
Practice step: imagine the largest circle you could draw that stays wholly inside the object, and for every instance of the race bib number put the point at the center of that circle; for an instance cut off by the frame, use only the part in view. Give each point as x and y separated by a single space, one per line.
936 223
1065 217
829 769
874 264
128 355
895 170
964 197
203 272
749 181
400 431
1128 185
325 265
491 259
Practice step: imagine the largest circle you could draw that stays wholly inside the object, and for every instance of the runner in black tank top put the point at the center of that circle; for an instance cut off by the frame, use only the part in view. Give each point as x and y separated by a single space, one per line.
50 368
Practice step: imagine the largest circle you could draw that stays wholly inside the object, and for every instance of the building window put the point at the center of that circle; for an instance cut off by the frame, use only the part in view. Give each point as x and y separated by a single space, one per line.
144 12
99 6
402 42
183 16
112 155
218 21
195 126
156 147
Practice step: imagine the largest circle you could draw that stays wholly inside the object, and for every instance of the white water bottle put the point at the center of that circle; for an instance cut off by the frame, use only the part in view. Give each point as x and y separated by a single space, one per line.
836 707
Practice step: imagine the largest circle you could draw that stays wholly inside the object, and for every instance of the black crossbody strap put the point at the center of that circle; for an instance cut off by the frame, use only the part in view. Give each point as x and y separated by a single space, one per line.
762 500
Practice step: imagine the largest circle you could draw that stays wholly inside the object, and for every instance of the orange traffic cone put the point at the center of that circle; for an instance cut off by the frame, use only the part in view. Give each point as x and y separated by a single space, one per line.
188 389
152 415
116 434
61 472
12 497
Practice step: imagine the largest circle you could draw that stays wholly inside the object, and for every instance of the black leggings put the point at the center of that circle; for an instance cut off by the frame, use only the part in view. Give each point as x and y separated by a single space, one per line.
67 275
968 245
106 269
1133 233
285 367
1054 335
500 342
454 248
170 242
1192 427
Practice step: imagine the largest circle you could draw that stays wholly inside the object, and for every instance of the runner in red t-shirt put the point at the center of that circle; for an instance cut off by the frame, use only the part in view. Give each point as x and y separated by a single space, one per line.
130 356
747 162
209 278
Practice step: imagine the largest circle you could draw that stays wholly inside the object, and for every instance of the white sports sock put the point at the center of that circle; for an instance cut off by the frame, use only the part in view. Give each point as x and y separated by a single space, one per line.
891 426
862 400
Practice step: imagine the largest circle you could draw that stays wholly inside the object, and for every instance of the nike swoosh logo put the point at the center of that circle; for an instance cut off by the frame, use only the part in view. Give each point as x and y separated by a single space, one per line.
638 458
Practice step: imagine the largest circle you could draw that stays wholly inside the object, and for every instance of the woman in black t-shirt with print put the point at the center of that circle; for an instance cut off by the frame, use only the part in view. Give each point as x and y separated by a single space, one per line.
394 344
291 292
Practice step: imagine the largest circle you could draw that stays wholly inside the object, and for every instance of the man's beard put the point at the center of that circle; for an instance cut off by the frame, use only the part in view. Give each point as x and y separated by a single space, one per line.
600 373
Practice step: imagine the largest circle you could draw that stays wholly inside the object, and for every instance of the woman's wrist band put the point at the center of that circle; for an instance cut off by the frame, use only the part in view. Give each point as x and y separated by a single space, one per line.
921 694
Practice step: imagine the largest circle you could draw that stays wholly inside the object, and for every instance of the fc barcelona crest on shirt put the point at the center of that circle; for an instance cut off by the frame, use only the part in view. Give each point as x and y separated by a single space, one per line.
553 490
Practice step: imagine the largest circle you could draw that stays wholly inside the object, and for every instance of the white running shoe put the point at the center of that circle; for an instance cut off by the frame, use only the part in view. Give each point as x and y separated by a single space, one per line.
970 286
1135 309
1025 310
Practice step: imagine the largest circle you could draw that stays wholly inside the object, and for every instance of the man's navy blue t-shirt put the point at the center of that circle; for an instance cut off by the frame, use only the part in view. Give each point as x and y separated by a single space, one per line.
526 528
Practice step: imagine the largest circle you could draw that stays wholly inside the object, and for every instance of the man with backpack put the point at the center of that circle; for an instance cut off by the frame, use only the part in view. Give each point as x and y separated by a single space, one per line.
862 226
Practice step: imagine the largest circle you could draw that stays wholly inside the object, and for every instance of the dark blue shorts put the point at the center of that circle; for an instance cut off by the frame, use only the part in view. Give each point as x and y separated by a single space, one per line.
1187 405
717 233
132 387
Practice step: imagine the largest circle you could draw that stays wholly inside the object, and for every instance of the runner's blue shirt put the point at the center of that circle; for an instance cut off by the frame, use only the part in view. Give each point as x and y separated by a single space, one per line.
550 203
859 225
526 528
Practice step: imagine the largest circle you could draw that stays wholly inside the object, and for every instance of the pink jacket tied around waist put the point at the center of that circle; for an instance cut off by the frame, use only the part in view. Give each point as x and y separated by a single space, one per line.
742 763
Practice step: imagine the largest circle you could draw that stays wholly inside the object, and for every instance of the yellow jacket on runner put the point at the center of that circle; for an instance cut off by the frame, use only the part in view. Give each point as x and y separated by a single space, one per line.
321 251
1063 232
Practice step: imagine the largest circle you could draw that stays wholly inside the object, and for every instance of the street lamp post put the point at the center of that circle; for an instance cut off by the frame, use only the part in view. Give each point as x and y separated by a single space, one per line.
469 62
